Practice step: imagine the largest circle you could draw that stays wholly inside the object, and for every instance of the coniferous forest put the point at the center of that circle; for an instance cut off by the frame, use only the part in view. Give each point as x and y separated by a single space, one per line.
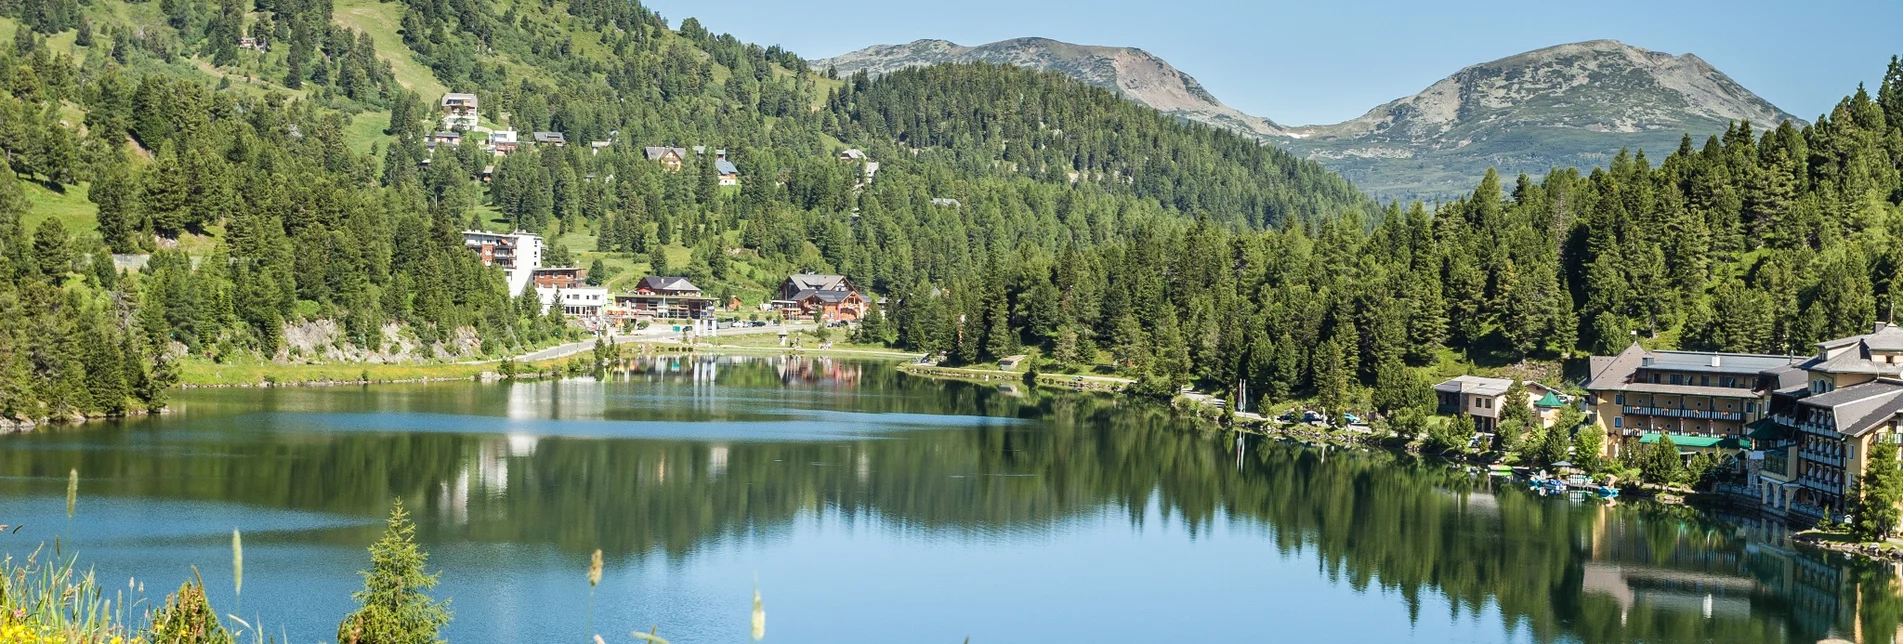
172 198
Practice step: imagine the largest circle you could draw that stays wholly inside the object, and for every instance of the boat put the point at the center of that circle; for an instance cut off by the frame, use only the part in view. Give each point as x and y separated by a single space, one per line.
1608 492
1499 470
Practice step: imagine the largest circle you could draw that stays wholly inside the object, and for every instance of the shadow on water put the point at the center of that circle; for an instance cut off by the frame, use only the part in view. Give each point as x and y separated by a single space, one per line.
672 454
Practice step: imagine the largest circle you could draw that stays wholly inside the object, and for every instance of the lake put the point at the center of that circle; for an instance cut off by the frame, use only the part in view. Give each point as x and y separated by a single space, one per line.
870 506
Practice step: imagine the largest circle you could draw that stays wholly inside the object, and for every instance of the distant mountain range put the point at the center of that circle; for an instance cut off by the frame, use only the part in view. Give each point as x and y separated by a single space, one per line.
1568 105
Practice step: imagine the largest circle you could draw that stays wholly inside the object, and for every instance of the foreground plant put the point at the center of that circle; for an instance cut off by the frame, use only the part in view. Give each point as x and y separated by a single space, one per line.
188 618
394 605
52 603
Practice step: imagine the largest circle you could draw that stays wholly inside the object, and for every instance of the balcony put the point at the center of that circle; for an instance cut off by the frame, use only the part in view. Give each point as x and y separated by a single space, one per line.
1821 486
1819 429
1821 457
1683 413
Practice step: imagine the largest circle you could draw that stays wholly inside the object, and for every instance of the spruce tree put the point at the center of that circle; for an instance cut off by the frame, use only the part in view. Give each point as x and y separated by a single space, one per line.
1880 490
394 606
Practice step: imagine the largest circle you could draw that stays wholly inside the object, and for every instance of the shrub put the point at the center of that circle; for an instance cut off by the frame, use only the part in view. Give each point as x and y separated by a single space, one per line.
188 618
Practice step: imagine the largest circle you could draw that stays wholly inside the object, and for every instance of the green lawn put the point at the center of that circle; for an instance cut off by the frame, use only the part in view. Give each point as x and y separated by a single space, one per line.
365 129
381 21
197 371
70 206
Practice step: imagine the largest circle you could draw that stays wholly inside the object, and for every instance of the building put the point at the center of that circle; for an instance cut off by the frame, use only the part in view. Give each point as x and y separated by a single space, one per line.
1801 427
550 138
518 253
595 147
852 154
1680 393
1474 396
458 104
253 43
729 175
576 301
1825 417
672 298
503 142
559 277
1484 398
445 138
669 158
820 297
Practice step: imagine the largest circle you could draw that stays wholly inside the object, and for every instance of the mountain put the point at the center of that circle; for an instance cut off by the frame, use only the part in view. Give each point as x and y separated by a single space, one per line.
1567 105
1136 74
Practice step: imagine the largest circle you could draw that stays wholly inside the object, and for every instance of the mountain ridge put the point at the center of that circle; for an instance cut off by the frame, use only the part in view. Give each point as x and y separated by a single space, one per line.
1570 104
1134 73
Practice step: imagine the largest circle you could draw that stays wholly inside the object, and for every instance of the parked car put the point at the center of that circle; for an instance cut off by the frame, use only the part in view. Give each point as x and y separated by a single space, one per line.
1312 417
1351 418
1287 416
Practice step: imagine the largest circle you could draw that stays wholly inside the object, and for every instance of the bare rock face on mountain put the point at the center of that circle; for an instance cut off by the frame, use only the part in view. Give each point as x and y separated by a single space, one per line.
1569 105
1134 73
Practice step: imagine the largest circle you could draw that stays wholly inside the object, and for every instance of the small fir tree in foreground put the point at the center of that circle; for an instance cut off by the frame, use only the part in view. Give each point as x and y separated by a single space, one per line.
394 606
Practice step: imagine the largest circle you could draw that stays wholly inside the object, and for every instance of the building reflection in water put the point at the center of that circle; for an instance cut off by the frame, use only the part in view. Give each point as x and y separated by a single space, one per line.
1670 567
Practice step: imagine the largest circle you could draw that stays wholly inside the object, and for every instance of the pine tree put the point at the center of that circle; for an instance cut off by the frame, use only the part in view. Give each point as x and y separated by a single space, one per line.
1880 490
1331 379
394 606
1589 440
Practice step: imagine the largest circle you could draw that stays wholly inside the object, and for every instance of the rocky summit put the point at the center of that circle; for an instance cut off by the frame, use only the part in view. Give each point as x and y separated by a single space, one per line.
1569 105
1136 74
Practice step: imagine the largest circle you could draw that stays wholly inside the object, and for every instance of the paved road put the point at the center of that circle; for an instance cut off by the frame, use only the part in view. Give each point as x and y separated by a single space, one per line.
657 332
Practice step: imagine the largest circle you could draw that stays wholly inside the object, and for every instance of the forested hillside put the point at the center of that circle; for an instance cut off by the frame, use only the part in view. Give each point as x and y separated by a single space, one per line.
197 182
1753 241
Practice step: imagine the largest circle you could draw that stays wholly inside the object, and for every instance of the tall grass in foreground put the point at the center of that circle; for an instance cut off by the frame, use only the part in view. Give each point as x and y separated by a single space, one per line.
51 602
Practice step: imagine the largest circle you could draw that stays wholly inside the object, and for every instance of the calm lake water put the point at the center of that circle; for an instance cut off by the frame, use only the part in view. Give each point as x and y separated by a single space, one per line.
876 507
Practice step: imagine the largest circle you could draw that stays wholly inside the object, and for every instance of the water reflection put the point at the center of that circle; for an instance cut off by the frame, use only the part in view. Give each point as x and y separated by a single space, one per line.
672 455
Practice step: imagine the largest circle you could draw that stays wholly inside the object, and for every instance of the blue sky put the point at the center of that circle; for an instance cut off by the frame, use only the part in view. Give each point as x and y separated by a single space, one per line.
1323 62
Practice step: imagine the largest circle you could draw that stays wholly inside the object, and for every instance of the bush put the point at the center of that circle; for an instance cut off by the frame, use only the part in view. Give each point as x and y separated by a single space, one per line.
188 618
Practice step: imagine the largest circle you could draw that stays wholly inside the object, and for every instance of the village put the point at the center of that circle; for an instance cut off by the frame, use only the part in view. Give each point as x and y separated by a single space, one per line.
817 298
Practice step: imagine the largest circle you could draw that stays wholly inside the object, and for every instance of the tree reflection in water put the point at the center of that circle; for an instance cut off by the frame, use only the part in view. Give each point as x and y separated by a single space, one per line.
543 463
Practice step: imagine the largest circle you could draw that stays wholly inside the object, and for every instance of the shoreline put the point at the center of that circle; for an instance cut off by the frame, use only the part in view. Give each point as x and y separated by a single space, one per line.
1193 403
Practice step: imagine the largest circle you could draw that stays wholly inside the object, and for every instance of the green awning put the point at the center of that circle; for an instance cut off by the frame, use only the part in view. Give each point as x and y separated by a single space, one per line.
1765 429
1549 401
1688 441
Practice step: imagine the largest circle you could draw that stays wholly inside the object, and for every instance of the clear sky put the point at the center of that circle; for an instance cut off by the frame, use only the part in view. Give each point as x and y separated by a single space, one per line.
1315 62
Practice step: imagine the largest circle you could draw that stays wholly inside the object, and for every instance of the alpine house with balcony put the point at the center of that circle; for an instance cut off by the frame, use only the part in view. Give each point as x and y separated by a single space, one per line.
1681 393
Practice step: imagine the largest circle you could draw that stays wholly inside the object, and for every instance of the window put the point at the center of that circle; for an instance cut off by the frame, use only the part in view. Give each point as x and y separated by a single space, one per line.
1619 400
1618 423
1750 407
1704 381
1678 379
1728 381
